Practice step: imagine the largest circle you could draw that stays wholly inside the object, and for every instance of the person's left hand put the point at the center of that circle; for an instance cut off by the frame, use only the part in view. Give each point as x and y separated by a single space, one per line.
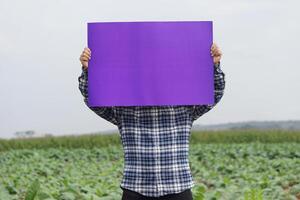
215 53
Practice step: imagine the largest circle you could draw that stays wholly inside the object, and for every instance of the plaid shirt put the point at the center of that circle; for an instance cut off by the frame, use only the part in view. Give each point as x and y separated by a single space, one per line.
155 140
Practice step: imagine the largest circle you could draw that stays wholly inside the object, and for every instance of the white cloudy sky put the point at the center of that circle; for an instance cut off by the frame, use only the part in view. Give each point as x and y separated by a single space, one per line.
41 42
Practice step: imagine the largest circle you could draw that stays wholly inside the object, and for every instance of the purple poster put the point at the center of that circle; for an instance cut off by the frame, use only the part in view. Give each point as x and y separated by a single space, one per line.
150 63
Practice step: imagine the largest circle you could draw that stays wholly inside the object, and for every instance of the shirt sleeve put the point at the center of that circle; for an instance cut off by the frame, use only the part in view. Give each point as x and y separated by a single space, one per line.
106 112
219 86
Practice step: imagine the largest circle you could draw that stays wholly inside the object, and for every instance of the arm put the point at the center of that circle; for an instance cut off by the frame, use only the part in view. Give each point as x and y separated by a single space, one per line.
219 84
107 113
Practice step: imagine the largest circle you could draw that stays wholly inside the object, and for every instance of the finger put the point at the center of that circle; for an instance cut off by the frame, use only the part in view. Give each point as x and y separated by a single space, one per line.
86 54
87 50
217 51
213 52
214 46
83 57
216 55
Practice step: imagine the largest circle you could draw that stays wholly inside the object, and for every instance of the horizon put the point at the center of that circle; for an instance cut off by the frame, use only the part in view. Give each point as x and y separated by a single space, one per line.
115 130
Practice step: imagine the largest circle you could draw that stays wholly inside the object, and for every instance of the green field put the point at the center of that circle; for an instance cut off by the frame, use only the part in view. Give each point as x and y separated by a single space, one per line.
237 164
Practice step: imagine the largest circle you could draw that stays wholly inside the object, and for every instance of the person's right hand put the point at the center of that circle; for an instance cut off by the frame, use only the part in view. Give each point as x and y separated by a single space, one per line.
85 57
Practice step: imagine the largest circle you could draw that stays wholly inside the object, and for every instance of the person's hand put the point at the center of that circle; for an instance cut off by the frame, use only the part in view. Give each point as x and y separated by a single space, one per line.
85 57
215 53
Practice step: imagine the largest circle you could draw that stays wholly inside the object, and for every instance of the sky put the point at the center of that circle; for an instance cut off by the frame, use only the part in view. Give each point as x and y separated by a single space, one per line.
41 42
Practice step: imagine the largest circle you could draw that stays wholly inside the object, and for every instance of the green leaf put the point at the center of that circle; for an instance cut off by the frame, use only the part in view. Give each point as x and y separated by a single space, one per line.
32 190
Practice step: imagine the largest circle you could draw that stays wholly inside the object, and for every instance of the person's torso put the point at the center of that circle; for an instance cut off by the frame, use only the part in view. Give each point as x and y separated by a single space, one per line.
155 140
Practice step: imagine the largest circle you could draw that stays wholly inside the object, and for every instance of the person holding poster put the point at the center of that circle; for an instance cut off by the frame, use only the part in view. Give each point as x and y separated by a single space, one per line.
155 140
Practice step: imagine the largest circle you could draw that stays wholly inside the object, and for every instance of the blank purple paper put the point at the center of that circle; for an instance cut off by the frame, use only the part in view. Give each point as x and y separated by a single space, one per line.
150 63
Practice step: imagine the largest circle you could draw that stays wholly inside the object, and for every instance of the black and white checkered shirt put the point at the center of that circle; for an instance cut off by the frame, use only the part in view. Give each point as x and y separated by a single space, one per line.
155 140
